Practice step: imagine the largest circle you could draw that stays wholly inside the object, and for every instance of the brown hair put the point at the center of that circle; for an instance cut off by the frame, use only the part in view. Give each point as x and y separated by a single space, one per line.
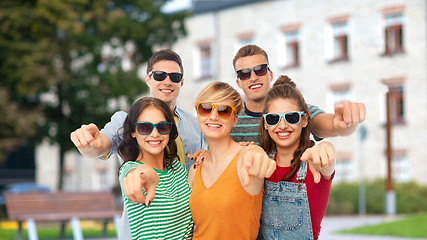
164 55
128 148
285 88
249 50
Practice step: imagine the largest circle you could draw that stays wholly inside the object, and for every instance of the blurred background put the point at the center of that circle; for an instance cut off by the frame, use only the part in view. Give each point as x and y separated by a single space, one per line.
73 62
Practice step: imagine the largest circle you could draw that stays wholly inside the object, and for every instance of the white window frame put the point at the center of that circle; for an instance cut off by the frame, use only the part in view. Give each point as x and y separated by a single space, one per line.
340 29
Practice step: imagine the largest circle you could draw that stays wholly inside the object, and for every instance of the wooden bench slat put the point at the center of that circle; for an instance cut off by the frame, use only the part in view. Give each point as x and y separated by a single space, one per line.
67 216
60 205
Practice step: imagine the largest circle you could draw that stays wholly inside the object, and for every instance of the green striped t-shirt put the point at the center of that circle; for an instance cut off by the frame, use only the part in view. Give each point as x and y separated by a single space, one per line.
246 129
169 215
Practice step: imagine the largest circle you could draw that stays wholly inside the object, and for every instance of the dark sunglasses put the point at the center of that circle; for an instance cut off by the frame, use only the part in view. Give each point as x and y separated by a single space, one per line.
272 119
145 128
160 76
205 109
259 70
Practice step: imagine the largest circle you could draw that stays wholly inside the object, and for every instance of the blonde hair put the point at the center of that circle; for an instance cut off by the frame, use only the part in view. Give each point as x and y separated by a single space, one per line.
220 91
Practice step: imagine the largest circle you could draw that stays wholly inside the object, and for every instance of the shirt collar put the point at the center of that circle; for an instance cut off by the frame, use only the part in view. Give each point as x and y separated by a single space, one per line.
252 114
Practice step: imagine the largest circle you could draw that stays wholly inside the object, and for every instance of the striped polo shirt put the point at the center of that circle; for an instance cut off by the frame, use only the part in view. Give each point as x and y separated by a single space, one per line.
169 215
246 129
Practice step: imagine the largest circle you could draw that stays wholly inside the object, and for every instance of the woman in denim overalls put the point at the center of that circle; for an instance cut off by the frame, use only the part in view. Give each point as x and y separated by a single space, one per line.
286 212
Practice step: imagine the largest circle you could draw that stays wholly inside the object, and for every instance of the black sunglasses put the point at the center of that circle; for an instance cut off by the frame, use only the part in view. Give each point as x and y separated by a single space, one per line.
259 70
160 76
272 119
145 128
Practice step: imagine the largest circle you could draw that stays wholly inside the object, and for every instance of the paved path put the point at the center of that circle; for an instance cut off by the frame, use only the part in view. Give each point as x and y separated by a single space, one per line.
333 224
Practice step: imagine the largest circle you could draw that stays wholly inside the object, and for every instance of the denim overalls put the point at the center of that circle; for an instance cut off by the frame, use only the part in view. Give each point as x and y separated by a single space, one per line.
285 210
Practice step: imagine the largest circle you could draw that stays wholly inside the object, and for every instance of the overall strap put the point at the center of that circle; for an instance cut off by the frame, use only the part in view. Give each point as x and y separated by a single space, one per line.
272 154
302 172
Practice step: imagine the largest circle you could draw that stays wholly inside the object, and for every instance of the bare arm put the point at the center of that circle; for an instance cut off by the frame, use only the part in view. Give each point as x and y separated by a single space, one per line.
343 122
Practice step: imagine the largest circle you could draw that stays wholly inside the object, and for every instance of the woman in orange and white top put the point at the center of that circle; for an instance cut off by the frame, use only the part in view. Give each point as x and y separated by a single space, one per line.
227 187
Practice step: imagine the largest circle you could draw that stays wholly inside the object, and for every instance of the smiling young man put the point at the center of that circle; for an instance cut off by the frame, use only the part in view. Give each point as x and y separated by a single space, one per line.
165 79
254 77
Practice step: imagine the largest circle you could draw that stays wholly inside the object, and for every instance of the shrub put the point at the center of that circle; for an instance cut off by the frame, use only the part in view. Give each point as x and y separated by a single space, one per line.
344 198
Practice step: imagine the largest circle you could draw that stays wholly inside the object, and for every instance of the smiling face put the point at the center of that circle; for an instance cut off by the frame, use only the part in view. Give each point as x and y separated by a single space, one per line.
215 127
153 143
256 87
286 136
165 90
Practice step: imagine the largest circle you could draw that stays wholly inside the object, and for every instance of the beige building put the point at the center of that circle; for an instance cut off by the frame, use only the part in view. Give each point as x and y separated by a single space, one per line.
334 50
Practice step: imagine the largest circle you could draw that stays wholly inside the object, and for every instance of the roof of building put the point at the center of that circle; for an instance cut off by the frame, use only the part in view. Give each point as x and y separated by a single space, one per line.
202 6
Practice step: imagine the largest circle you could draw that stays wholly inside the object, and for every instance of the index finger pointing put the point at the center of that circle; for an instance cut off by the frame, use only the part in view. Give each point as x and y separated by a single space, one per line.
306 155
362 112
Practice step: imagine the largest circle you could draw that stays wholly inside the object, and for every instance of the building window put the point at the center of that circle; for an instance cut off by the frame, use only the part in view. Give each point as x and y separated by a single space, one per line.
244 39
393 34
203 59
288 47
340 92
344 167
399 166
292 48
100 179
397 110
340 32
341 96
206 61
68 179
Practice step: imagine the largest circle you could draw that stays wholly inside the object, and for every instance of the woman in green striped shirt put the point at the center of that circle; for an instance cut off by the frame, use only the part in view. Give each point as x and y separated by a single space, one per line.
148 145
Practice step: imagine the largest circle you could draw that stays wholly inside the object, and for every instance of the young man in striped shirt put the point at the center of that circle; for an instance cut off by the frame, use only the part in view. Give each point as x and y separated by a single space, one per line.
254 77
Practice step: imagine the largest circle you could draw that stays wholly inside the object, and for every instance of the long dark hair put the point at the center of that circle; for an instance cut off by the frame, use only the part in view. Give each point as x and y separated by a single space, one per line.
128 148
285 88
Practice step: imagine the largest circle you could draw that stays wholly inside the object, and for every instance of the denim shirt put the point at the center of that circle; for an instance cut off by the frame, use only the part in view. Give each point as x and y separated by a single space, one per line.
189 132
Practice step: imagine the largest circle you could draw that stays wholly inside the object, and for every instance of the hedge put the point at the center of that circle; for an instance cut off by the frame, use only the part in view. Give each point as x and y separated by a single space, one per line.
344 199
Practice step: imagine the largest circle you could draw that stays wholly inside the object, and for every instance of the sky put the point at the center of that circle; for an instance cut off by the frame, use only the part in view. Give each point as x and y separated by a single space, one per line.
176 5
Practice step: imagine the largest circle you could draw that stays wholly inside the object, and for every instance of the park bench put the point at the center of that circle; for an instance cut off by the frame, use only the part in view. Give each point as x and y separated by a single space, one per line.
60 207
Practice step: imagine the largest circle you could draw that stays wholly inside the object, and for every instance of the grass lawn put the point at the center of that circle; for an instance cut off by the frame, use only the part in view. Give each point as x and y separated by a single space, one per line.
413 226
94 230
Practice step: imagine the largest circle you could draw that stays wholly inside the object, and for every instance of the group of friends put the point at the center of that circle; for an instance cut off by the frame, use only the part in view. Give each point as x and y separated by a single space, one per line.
258 174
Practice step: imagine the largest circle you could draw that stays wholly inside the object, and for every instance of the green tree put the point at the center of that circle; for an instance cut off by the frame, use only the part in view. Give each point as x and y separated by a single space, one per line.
54 74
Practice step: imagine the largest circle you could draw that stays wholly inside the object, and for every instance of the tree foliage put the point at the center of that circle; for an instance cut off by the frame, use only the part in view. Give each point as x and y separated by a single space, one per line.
54 68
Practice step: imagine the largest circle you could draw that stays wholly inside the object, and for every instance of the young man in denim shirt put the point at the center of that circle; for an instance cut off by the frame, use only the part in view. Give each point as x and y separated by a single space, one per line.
165 79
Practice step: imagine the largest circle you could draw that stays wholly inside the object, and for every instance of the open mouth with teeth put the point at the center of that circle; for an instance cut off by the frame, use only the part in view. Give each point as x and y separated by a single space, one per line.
166 90
154 142
283 134
211 125
255 86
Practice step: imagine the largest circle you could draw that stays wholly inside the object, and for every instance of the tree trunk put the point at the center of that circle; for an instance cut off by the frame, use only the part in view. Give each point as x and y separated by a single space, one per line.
61 169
